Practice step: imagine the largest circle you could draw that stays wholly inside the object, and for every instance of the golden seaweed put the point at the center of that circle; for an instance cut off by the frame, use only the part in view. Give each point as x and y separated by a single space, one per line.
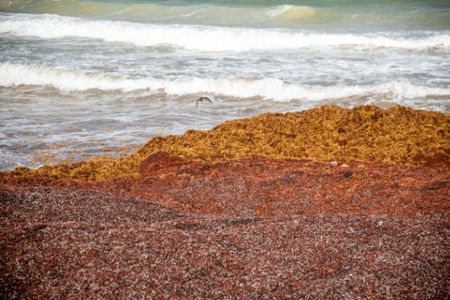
398 135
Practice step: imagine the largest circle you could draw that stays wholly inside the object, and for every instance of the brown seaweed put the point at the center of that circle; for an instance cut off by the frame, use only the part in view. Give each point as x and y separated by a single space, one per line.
398 135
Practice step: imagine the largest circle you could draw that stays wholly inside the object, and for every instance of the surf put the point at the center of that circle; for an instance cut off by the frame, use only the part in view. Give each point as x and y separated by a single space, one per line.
267 88
404 14
200 12
206 38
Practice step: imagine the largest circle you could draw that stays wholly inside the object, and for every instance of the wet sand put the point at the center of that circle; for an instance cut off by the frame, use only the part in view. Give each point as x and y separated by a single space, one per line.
246 227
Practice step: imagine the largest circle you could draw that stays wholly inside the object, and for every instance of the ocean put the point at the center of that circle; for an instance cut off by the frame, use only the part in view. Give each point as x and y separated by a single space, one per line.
81 79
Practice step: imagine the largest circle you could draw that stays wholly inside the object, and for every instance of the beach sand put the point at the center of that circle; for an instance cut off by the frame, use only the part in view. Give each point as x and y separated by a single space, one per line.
329 203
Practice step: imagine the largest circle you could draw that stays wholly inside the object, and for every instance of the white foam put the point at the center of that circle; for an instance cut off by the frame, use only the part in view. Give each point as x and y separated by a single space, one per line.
68 80
202 38
274 89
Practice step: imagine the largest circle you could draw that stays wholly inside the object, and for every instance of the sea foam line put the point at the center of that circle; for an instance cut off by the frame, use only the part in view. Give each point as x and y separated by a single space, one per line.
270 88
202 38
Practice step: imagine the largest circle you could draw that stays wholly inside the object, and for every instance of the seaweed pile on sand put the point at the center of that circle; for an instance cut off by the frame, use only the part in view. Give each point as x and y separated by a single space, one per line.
329 203
397 135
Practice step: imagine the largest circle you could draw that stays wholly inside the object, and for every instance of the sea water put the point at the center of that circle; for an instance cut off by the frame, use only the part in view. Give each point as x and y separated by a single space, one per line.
79 79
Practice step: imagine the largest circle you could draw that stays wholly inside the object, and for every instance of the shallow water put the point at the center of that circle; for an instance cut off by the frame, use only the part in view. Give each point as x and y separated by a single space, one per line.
86 78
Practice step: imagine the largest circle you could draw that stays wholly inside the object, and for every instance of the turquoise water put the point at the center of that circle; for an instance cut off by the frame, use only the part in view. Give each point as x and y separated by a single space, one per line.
328 14
86 78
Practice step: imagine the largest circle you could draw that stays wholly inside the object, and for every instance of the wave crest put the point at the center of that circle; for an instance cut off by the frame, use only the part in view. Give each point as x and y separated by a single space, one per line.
214 14
274 89
295 14
204 38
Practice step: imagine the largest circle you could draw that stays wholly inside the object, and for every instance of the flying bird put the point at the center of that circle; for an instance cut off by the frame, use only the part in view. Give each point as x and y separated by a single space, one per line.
201 99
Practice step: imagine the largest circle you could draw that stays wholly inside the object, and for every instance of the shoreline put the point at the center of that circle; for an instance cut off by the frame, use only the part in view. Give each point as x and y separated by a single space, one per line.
396 135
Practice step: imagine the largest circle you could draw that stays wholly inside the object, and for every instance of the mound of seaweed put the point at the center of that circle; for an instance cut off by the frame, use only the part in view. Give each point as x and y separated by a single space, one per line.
398 135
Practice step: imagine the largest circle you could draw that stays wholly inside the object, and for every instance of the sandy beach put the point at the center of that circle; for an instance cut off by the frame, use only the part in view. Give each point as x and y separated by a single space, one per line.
248 226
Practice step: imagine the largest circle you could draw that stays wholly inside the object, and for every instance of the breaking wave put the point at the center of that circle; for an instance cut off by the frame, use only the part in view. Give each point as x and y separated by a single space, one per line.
273 89
242 13
203 13
204 38
297 14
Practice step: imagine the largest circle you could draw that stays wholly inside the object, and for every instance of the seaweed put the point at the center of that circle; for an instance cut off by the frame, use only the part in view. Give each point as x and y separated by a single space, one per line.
397 135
